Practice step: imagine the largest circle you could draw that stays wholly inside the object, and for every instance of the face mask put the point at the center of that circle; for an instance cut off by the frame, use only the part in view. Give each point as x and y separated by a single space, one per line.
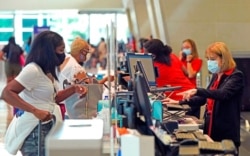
81 63
60 58
213 66
82 59
186 51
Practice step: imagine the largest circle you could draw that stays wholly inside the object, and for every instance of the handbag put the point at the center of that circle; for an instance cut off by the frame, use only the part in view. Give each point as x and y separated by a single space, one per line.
63 110
22 60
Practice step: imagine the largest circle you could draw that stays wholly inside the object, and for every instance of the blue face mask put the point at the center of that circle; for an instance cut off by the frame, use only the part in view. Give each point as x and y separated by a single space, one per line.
186 51
213 66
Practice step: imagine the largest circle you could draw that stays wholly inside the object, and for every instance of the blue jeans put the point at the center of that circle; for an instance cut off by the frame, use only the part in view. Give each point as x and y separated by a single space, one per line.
30 145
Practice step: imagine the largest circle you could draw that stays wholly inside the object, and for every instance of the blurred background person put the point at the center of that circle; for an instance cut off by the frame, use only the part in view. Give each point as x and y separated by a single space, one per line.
170 71
190 58
11 54
27 45
102 51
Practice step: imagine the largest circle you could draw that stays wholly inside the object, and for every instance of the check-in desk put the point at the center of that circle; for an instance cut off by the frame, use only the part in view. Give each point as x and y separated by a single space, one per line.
75 138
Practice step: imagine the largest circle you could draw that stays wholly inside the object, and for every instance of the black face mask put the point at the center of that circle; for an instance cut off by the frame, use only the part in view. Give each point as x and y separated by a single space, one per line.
81 63
60 58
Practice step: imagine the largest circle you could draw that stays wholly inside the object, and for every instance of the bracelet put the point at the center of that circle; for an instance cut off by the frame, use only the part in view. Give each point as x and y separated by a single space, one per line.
189 61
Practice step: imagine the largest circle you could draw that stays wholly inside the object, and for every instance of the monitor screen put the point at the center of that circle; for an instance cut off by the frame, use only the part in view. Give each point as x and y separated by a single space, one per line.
140 68
147 62
143 99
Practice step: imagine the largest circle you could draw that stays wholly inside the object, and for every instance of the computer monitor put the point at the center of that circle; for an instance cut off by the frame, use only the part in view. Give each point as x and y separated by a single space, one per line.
147 62
140 69
143 99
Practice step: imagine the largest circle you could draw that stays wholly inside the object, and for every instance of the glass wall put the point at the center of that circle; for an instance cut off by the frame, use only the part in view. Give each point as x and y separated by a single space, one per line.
6 26
70 24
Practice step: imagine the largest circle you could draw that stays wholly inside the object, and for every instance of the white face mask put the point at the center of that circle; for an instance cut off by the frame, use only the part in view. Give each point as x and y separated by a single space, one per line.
213 66
186 51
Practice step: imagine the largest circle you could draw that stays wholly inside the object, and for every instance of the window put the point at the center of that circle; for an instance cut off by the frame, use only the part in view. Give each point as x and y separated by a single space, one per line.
98 26
6 23
89 26
4 36
26 35
27 23
45 23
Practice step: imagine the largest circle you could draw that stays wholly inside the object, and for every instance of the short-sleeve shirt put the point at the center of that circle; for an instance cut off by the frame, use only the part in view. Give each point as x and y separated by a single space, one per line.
39 92
6 50
74 105
39 89
196 65
173 75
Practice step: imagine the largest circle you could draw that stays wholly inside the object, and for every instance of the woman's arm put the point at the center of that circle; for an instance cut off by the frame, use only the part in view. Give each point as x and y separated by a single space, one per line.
64 94
231 86
193 66
10 95
191 73
102 81
184 69
194 101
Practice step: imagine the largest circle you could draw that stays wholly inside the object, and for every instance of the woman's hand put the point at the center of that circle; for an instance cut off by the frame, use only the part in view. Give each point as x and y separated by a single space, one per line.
81 77
189 58
111 77
42 115
167 101
188 94
80 89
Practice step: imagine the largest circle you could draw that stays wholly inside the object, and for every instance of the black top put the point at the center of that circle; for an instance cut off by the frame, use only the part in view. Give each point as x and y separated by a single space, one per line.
226 111
6 49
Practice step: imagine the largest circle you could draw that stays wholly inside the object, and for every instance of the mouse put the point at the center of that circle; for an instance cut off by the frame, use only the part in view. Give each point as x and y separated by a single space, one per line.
189 142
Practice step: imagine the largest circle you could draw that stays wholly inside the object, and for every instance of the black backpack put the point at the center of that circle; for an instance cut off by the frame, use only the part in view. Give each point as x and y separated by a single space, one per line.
14 54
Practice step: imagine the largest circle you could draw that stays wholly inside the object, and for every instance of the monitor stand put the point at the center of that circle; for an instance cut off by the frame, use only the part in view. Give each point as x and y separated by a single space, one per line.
75 137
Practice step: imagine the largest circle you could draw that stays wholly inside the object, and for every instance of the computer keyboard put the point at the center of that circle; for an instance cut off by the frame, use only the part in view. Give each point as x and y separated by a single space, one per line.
199 135
182 136
206 146
225 146
154 89
178 107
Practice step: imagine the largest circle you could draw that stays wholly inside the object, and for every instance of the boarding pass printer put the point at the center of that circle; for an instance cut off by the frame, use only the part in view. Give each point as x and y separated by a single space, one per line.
75 138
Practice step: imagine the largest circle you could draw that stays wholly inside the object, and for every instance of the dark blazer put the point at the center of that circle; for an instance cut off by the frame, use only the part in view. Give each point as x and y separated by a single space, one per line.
226 111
